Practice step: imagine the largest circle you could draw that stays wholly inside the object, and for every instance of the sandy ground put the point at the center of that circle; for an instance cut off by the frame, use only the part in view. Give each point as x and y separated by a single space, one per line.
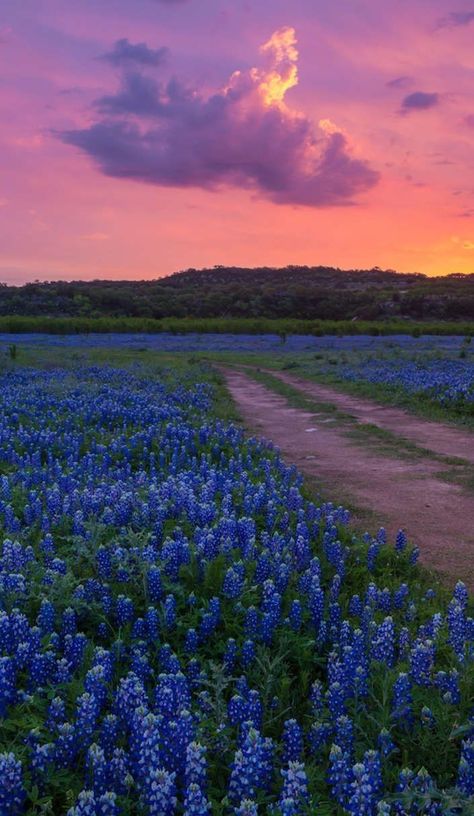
438 516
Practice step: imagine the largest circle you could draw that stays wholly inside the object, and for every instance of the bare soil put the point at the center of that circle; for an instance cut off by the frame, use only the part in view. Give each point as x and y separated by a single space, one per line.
438 516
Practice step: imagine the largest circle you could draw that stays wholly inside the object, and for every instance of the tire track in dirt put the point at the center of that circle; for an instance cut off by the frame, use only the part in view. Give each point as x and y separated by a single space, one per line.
438 516
435 436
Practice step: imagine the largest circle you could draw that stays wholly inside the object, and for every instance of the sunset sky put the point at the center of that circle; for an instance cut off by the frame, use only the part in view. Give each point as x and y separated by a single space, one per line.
139 137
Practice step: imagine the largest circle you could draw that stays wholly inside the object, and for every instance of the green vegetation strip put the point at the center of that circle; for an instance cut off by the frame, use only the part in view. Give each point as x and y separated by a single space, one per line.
14 324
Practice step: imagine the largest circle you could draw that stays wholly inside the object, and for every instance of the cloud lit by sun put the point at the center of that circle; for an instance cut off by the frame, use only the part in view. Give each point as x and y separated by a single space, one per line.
282 73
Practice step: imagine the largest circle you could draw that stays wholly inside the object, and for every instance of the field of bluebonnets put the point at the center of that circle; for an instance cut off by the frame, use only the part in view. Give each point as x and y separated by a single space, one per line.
445 381
183 629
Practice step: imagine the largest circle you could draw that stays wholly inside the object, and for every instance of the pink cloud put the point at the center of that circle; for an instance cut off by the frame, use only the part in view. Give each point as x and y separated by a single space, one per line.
243 135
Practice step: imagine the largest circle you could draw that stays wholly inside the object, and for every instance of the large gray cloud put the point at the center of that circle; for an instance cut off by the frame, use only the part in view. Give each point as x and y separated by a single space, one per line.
125 54
243 135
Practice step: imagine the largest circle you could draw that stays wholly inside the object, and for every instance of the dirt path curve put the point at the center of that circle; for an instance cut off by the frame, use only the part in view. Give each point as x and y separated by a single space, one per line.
438 516
435 436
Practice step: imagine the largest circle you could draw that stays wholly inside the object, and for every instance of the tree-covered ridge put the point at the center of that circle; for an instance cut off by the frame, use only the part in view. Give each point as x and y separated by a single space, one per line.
294 291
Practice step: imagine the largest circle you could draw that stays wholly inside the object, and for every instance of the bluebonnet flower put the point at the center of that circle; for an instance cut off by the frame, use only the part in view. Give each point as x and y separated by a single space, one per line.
69 622
234 580
344 736
404 642
384 601
427 717
196 765
355 606
400 596
460 594
372 554
295 615
457 628
12 791
124 610
160 793
46 617
248 653
104 563
316 603
294 795
195 803
251 768
152 622
129 696
230 655
422 657
109 733
246 808
56 713
318 737
154 584
97 768
402 701
292 739
336 700
170 612
340 775
251 622
448 683
191 641
88 710
385 742
41 762
316 697
383 643
96 679
401 541
465 778
414 556
66 746
89 805
361 801
7 684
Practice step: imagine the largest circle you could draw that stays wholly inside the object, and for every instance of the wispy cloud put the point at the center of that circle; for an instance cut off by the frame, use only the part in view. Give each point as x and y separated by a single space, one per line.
400 82
125 54
456 19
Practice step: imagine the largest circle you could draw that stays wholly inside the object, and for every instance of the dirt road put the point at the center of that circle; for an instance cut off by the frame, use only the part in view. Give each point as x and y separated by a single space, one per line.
435 436
437 515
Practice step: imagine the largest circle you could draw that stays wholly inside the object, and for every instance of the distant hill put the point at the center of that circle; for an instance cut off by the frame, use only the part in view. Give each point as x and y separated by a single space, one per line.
292 292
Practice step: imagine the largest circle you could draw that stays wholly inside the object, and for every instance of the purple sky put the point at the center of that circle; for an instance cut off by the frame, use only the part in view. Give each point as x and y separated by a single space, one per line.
143 136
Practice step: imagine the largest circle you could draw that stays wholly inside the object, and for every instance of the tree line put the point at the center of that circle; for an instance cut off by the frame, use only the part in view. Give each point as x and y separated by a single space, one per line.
309 293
